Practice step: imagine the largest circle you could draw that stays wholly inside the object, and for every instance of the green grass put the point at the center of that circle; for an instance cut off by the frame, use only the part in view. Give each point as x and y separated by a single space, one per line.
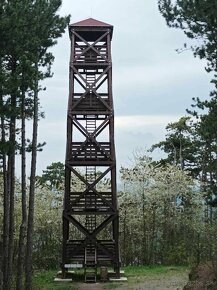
152 270
138 274
44 280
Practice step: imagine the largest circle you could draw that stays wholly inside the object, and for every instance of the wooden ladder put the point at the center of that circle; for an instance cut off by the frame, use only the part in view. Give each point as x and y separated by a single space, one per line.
90 264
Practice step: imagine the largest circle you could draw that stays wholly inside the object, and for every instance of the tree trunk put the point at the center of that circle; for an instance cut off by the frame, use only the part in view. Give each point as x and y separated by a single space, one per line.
11 182
22 235
28 270
2 134
124 238
152 256
144 230
6 210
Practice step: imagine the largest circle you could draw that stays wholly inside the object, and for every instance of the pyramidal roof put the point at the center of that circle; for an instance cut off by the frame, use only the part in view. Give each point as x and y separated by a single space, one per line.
91 22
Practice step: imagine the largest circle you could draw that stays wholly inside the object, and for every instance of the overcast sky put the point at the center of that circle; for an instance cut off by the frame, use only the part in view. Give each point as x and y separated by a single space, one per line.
152 83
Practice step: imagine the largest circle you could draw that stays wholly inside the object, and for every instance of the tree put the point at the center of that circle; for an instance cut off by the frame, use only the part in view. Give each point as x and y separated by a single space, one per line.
53 176
140 177
197 19
49 27
207 143
178 144
28 29
161 209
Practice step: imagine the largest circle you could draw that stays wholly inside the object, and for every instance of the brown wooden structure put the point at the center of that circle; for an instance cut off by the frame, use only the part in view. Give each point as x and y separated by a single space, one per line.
90 215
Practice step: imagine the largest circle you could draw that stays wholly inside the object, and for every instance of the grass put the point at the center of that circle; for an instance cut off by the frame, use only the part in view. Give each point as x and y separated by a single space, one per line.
138 274
44 280
152 270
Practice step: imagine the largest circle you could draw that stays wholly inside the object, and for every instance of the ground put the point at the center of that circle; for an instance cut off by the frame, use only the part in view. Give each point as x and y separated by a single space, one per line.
172 280
139 278
203 277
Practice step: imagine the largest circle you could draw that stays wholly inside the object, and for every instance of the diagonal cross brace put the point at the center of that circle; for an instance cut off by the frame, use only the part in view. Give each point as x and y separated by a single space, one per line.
90 86
91 46
92 236
96 94
91 137
82 229
91 186
97 131
84 146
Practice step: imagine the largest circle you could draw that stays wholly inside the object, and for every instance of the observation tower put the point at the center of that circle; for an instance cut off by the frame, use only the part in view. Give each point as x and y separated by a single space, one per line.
90 214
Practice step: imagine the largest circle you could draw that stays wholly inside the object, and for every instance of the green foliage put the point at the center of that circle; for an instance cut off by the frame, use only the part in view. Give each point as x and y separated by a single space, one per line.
151 270
193 147
27 29
197 18
53 176
179 145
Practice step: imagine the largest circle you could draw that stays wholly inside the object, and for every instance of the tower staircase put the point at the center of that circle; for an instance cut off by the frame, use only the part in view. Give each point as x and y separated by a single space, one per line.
90 263
90 260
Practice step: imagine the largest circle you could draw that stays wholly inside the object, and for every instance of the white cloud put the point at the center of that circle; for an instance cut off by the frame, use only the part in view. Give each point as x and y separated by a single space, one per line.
153 85
136 123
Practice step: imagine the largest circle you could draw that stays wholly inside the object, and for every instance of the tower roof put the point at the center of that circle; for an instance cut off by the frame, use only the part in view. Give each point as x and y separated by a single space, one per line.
91 22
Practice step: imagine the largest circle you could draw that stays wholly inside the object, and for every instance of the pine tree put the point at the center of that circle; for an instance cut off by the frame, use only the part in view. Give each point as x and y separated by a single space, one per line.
28 28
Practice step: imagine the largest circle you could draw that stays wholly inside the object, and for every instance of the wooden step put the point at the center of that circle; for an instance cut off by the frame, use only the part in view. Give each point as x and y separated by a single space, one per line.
90 277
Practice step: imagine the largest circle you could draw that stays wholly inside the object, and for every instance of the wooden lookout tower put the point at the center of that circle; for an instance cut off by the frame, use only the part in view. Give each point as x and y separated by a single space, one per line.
90 214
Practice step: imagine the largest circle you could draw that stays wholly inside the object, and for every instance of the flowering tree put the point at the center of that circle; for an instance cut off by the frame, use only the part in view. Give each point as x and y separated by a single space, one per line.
162 210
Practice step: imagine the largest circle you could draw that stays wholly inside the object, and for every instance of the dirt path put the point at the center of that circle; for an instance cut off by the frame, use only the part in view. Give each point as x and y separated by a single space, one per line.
170 281
97 286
